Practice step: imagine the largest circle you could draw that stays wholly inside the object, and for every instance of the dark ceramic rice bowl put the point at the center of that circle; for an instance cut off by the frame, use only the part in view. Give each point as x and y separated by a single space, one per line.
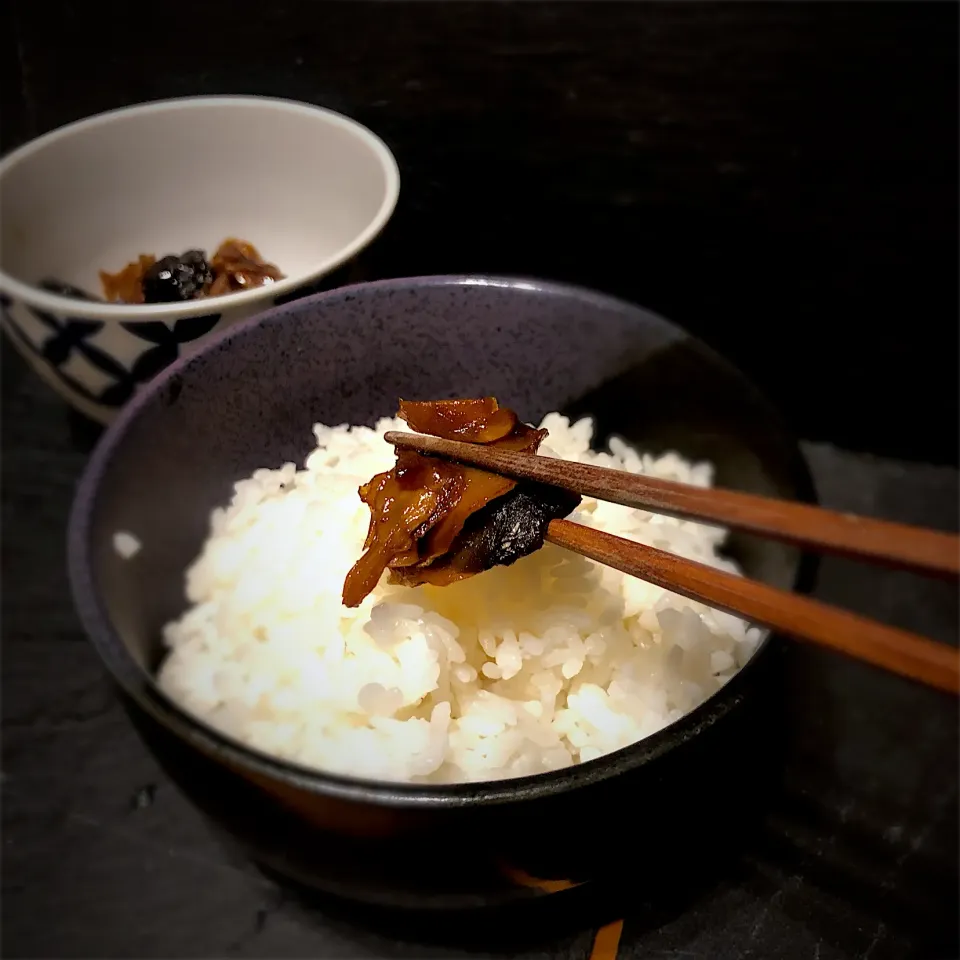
249 399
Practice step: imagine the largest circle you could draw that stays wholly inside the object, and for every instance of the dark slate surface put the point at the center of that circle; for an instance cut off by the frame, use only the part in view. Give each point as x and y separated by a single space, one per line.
103 858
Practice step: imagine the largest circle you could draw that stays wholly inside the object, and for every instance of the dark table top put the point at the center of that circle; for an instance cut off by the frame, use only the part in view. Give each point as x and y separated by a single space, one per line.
102 857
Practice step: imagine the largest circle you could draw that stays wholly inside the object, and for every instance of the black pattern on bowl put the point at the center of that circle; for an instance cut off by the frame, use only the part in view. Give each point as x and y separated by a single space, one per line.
108 376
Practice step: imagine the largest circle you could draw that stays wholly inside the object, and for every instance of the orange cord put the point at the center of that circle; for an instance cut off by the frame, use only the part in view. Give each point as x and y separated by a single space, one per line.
607 941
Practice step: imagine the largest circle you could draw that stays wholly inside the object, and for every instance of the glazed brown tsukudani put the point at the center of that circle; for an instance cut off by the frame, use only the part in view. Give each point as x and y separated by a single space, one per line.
435 521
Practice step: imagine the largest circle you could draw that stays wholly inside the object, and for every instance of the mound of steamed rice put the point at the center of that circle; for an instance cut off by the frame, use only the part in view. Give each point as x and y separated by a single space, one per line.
520 670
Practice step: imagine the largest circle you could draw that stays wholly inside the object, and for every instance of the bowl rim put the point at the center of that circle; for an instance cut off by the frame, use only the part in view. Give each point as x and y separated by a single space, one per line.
139 686
97 310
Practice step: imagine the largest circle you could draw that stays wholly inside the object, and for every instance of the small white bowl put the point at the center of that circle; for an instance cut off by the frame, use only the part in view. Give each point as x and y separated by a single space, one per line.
309 188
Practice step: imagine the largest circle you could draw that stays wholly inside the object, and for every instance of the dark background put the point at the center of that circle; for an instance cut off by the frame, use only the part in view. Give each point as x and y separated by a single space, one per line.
780 178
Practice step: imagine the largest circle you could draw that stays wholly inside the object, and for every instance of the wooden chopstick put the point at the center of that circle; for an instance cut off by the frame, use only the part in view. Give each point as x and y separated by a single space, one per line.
879 541
907 654
899 651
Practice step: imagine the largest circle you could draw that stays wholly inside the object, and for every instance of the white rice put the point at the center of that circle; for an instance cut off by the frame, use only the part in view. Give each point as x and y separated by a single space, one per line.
523 669
126 544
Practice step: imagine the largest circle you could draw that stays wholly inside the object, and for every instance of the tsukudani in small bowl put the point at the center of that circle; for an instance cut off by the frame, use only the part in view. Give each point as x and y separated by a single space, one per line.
249 397
307 187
